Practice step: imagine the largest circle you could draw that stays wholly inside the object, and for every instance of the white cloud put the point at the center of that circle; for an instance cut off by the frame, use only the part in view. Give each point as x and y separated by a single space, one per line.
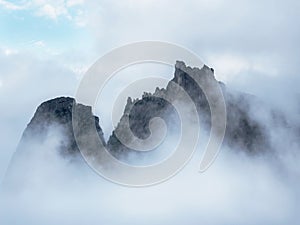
262 43
40 43
228 66
10 52
80 18
51 9
71 3
48 11
235 188
52 12
11 6
71 10
29 80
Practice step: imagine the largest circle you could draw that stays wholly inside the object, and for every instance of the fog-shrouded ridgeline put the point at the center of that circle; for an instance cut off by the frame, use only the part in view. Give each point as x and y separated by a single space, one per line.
244 132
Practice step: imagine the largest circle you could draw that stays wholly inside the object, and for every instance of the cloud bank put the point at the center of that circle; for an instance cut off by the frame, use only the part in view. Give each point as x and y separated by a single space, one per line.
253 46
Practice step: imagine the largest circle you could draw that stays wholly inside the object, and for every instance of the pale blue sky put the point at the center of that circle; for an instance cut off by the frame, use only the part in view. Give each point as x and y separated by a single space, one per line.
34 26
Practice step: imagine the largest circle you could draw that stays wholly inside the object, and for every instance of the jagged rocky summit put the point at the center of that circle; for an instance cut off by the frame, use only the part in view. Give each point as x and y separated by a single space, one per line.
242 131
58 112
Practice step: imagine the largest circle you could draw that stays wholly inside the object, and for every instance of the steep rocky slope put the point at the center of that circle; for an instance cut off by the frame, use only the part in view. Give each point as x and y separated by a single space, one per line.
242 130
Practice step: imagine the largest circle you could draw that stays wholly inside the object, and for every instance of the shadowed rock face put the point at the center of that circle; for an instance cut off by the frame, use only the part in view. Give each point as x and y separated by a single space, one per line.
49 135
58 112
241 130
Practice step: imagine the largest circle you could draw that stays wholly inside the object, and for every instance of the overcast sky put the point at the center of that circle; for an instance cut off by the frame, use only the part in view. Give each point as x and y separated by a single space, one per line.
46 46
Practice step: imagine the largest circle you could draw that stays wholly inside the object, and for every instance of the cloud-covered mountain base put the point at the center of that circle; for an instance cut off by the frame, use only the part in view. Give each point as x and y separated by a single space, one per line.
241 187
236 189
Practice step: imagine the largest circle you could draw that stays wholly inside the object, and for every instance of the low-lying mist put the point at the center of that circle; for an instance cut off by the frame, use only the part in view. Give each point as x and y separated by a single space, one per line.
239 188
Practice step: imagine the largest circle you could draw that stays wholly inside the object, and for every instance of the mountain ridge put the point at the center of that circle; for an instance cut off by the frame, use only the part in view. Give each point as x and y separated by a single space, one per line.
241 131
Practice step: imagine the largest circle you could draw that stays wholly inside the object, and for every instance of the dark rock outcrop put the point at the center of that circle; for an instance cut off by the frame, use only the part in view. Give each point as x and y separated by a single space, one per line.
58 112
242 130
49 135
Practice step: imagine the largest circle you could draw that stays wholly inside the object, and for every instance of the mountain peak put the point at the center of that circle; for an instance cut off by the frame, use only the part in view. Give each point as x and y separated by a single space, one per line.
241 130
194 71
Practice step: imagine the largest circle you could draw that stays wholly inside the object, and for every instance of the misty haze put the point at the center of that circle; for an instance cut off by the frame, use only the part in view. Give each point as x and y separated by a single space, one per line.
54 167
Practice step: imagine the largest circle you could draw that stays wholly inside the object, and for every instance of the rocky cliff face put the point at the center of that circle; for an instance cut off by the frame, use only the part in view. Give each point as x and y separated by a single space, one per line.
58 112
48 138
241 131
